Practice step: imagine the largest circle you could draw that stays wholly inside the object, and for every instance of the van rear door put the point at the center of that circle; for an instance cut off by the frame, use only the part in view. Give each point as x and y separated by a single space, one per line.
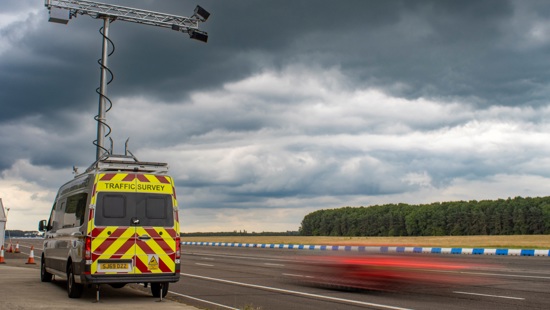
136 228
156 228
156 236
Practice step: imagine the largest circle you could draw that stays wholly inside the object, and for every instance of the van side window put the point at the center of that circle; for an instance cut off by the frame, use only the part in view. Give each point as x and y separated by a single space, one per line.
51 219
75 210
58 220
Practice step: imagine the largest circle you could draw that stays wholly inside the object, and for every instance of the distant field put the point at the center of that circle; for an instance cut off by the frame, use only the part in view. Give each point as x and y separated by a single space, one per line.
514 241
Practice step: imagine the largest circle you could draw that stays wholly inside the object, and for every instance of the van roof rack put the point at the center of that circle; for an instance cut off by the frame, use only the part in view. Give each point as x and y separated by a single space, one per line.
111 162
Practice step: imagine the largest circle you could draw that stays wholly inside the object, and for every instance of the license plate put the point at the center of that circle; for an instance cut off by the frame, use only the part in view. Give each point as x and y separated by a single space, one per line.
115 266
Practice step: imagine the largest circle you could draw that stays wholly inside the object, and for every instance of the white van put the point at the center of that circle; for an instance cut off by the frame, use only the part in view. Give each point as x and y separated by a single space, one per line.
116 223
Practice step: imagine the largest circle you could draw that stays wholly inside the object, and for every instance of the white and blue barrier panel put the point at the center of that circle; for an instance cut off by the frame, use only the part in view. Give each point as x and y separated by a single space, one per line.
379 249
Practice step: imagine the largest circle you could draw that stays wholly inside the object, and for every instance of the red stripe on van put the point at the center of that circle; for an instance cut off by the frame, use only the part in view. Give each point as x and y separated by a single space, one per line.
142 178
145 248
151 231
141 266
114 236
130 177
96 231
124 248
107 177
162 179
161 243
162 265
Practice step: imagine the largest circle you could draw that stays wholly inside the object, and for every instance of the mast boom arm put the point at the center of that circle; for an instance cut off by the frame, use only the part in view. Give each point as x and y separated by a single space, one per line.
101 10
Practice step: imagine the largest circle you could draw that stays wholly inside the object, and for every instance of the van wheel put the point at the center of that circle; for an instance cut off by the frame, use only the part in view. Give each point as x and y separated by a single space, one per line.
73 289
155 289
44 275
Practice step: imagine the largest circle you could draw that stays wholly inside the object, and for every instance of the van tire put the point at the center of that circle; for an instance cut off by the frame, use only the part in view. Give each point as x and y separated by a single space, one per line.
74 289
44 275
155 289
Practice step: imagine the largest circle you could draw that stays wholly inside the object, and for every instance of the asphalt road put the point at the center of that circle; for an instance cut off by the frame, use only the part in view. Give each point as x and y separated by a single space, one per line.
254 279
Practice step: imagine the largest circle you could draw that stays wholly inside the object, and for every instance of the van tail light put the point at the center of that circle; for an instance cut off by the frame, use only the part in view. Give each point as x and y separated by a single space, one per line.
88 255
88 248
178 248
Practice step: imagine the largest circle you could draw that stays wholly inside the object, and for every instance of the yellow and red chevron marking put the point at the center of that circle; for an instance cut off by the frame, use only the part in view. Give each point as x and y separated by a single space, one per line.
134 182
111 243
129 177
90 219
165 246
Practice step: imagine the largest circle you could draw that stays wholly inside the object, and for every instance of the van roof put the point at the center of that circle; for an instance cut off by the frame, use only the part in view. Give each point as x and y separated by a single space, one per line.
112 162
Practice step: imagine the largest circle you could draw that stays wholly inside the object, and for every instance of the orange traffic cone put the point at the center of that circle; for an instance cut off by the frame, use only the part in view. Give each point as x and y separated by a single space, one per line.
31 257
10 249
17 248
2 256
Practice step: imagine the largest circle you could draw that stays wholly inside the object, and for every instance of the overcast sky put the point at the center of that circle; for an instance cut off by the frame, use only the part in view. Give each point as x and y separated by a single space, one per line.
292 106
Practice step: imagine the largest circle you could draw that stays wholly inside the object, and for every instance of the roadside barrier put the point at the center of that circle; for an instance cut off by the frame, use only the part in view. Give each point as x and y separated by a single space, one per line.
2 261
17 248
381 249
31 257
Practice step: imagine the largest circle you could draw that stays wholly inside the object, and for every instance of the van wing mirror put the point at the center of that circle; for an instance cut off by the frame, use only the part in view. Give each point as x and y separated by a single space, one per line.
42 225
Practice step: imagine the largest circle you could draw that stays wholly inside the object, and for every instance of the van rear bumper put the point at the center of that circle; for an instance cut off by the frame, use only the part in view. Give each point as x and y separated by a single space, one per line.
128 278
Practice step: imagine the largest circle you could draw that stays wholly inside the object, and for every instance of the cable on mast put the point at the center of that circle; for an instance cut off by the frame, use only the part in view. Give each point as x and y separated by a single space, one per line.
105 102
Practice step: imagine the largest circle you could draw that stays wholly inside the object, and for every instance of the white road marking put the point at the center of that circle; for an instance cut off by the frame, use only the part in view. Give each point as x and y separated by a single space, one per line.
296 275
241 257
356 302
277 265
505 275
202 300
207 265
486 295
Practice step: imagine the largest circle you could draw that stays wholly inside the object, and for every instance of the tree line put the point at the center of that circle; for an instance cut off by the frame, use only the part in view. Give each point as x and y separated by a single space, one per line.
517 216
239 233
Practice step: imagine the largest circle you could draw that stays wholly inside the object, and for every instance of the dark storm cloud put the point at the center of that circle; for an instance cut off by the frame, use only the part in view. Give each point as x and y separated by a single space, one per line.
452 49
42 72
291 105
463 50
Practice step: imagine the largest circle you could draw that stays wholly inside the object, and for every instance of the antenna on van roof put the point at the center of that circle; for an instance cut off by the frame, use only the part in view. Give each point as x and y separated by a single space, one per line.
126 150
112 147
110 162
127 162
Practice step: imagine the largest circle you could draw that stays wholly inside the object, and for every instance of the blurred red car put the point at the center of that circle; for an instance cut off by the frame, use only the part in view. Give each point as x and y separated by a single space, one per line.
379 272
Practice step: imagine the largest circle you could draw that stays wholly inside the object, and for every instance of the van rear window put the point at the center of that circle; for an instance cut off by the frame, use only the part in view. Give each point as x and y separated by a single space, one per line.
122 209
114 206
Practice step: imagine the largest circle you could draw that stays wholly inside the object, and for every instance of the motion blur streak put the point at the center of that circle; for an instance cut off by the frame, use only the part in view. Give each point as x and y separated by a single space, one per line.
383 272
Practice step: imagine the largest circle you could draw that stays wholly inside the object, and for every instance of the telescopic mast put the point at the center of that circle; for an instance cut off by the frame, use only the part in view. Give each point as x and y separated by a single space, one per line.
61 11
